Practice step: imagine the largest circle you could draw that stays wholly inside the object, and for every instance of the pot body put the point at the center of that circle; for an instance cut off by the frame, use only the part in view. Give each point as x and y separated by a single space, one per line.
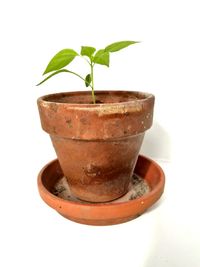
97 144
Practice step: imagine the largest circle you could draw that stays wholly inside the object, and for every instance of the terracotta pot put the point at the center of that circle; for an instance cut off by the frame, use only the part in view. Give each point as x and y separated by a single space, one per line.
97 145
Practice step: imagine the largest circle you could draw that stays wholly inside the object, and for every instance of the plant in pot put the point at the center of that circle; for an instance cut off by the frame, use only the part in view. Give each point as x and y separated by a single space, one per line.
97 135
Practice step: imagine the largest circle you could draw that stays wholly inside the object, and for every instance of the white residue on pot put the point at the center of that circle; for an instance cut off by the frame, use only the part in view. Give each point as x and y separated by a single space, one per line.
138 187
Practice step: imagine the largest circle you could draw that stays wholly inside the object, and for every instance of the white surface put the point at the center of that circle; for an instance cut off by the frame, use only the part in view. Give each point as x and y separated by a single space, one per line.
166 63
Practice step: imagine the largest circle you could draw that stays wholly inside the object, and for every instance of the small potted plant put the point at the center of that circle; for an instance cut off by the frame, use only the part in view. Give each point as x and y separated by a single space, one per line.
97 135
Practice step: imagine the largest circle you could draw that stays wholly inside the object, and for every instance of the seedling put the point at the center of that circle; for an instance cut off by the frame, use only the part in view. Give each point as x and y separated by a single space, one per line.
88 53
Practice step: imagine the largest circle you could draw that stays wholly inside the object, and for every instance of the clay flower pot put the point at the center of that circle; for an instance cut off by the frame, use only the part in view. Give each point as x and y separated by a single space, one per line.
97 144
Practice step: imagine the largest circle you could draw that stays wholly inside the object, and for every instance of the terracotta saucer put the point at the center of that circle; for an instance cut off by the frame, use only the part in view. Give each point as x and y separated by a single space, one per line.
145 189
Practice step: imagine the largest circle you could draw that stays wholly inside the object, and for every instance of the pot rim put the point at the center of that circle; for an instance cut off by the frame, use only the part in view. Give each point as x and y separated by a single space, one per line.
145 96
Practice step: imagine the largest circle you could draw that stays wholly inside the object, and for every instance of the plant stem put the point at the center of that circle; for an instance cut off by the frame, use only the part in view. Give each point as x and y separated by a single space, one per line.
92 82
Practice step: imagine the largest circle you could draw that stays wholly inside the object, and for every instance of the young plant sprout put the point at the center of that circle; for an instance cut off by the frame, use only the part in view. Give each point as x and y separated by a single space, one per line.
92 57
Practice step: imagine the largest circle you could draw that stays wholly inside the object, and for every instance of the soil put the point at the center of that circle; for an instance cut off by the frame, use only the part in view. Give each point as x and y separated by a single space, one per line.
101 97
138 187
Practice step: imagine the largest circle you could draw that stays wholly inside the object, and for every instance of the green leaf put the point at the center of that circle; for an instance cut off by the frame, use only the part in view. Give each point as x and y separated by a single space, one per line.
56 72
59 71
87 51
119 45
102 57
60 60
88 80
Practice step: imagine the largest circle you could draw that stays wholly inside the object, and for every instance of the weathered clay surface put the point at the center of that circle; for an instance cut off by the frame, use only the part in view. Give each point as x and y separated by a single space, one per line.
97 145
114 212
138 187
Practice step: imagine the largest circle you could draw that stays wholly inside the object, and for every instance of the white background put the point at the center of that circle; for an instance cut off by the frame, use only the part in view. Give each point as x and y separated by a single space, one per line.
165 63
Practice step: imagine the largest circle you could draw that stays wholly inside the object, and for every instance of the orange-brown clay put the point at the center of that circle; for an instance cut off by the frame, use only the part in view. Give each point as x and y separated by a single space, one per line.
97 145
102 213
